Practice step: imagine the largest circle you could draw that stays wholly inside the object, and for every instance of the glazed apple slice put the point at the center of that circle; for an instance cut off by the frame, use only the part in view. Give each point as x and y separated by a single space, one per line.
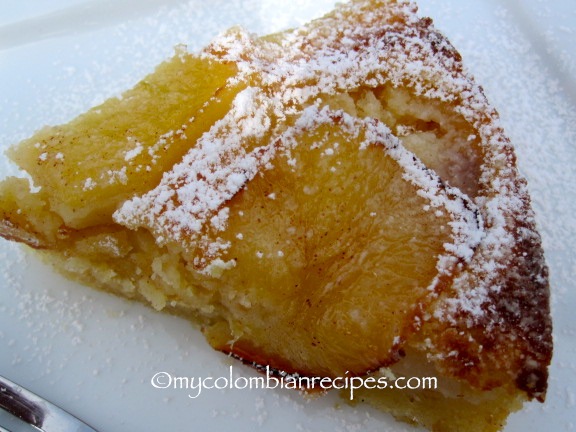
123 146
330 238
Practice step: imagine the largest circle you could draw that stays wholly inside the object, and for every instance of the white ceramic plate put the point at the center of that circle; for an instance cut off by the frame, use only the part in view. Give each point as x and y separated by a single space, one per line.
95 354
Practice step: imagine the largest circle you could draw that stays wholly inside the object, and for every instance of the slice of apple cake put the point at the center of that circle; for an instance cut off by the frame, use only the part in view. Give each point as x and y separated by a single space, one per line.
337 199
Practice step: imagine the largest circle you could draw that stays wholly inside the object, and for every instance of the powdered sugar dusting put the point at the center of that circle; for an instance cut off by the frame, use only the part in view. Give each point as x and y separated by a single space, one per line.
329 56
188 203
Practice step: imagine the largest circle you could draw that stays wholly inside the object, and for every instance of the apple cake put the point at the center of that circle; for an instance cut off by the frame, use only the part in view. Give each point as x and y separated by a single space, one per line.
337 199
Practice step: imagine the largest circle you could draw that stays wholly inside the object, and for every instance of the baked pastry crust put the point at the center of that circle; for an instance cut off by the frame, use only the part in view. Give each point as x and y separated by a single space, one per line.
168 211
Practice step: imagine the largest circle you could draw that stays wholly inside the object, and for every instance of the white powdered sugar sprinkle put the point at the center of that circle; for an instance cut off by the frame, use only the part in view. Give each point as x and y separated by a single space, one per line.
328 57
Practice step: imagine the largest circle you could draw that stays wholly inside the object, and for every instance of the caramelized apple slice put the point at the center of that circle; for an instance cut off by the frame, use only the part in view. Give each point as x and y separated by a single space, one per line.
104 156
333 245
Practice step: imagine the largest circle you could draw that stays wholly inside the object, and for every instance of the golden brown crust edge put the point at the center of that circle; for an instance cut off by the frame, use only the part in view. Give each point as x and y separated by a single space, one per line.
512 337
